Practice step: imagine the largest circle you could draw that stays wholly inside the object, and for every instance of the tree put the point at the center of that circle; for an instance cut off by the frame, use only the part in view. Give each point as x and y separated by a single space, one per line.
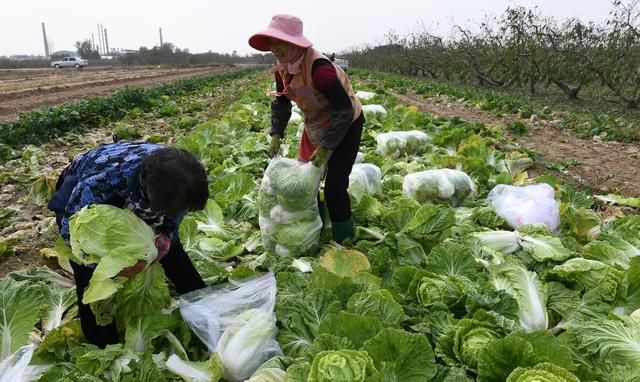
85 50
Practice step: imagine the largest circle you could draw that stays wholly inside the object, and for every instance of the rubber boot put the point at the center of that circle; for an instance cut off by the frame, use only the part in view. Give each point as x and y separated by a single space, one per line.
325 234
342 230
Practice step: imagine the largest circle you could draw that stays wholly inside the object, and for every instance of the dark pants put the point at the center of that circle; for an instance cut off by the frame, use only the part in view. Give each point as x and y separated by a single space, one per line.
338 169
176 264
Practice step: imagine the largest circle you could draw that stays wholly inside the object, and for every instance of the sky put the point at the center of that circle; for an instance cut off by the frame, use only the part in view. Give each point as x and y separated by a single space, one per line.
225 26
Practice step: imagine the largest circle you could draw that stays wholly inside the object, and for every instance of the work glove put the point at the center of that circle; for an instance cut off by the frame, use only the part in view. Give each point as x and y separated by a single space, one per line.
274 146
319 156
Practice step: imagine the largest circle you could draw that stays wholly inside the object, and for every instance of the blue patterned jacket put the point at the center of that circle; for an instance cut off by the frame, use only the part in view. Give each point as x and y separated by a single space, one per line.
109 174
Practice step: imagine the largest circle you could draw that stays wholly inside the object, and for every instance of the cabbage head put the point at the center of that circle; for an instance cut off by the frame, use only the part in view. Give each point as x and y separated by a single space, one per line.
542 372
247 343
300 237
341 366
296 187
448 290
471 337
114 239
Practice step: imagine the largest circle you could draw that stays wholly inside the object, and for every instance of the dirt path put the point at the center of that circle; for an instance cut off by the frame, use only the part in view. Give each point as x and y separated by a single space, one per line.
12 103
602 166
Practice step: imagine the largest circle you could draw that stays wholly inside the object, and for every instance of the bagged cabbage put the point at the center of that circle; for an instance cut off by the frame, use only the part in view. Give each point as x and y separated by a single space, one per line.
373 109
295 117
235 320
251 333
398 143
443 183
294 185
520 205
365 178
298 237
365 95
289 220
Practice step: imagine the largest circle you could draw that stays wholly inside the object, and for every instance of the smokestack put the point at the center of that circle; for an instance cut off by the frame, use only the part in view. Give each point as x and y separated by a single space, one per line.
161 43
93 42
106 40
99 40
46 44
103 45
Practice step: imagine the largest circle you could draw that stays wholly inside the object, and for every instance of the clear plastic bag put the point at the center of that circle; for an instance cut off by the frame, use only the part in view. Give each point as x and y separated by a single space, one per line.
365 178
359 157
237 321
300 130
295 108
443 183
295 118
374 109
363 95
526 205
397 143
288 210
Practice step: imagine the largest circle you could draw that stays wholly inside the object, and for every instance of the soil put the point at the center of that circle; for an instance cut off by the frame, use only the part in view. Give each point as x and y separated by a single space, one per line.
599 166
34 91
33 227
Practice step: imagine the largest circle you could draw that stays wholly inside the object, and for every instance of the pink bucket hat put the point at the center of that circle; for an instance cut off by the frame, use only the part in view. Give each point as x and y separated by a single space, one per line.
282 27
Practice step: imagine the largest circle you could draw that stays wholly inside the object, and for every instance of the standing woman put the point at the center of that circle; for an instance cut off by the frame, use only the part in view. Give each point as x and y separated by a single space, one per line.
333 113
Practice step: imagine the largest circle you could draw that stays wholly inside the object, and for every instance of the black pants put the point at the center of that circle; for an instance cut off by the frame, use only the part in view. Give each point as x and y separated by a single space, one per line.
179 270
338 170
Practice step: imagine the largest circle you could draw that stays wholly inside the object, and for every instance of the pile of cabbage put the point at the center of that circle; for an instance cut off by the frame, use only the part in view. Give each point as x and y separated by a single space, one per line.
397 143
289 219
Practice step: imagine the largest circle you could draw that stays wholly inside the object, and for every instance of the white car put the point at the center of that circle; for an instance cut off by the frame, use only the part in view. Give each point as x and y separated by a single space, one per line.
69 62
341 62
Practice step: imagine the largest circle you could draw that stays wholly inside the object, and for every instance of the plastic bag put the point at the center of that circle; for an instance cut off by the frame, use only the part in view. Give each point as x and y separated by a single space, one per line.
15 368
359 157
365 95
526 205
365 178
288 216
374 109
300 130
237 321
398 143
295 118
295 108
442 183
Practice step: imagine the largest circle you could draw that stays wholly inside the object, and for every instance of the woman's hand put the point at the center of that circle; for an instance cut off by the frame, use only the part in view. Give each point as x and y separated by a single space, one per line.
133 270
274 146
163 243
319 156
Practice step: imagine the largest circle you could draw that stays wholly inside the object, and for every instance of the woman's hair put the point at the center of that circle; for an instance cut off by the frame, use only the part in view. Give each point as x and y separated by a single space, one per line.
174 181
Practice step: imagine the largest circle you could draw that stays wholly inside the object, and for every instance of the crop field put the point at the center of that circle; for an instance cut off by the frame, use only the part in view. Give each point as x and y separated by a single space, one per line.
23 90
435 286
